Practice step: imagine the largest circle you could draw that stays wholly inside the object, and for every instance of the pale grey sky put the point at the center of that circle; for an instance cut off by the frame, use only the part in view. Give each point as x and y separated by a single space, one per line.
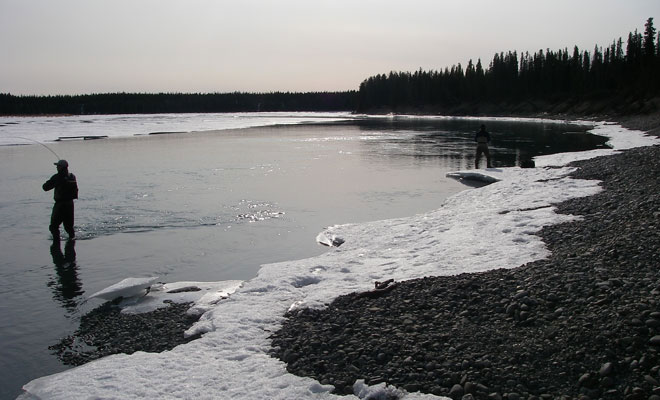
99 46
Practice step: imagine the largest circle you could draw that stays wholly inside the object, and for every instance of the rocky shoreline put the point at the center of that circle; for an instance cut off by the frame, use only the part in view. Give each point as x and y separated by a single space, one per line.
106 330
583 323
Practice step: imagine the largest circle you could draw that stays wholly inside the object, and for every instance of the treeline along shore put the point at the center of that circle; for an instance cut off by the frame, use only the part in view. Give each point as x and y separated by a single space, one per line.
149 103
617 79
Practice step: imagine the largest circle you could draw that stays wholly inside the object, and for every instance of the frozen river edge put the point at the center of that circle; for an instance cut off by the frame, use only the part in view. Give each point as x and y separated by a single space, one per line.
231 360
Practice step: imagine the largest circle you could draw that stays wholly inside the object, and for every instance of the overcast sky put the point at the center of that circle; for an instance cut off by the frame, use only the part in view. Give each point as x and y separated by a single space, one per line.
99 46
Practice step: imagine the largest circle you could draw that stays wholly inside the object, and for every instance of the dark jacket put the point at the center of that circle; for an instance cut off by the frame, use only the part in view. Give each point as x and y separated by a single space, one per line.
482 137
65 185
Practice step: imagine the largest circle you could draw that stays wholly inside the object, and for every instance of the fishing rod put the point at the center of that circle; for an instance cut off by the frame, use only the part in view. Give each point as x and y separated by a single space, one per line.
38 142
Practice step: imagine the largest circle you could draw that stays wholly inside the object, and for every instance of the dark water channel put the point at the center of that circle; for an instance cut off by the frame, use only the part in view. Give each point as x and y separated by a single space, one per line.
511 141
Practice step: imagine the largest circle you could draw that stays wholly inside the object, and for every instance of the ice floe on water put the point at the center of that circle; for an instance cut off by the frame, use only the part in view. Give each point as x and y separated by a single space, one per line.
475 230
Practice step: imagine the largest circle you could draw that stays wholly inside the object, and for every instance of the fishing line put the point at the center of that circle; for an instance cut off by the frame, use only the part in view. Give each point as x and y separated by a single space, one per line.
37 142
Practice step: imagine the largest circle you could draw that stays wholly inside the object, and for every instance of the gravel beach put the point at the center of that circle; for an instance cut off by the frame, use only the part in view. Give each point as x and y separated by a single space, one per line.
106 330
582 323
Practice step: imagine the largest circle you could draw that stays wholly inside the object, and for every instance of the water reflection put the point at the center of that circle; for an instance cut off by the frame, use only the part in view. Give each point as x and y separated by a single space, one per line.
66 285
451 141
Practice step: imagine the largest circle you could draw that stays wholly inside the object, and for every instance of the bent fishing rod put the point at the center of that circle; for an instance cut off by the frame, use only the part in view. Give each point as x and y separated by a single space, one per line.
38 142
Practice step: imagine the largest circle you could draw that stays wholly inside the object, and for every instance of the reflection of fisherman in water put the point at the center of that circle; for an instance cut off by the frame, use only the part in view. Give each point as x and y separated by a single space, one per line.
67 286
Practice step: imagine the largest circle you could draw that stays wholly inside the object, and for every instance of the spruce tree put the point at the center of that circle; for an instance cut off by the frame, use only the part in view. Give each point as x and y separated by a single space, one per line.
649 40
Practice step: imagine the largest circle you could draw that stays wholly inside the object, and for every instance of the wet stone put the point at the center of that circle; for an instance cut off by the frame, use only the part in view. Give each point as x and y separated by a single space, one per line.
105 331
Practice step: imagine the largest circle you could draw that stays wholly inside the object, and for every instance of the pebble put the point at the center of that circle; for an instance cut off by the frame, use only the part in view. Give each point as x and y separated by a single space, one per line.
456 391
606 369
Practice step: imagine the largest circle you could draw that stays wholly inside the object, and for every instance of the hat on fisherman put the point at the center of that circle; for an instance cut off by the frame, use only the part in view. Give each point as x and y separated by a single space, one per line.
62 163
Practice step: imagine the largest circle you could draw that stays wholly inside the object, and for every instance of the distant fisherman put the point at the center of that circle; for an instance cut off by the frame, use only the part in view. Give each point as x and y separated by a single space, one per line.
482 138
66 190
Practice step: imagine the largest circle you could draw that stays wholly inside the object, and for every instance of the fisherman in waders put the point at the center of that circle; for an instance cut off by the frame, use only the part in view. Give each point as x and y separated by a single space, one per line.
482 138
66 190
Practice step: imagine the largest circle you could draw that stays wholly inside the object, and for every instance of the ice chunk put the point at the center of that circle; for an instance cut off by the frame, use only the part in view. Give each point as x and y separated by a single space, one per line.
128 287
472 178
328 239
204 295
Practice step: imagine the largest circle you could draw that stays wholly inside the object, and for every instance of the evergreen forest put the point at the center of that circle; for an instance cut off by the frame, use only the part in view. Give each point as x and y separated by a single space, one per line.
619 77
623 71
145 103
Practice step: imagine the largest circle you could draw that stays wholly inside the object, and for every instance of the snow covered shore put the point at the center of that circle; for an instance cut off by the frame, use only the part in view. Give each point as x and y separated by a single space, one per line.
231 359
582 323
